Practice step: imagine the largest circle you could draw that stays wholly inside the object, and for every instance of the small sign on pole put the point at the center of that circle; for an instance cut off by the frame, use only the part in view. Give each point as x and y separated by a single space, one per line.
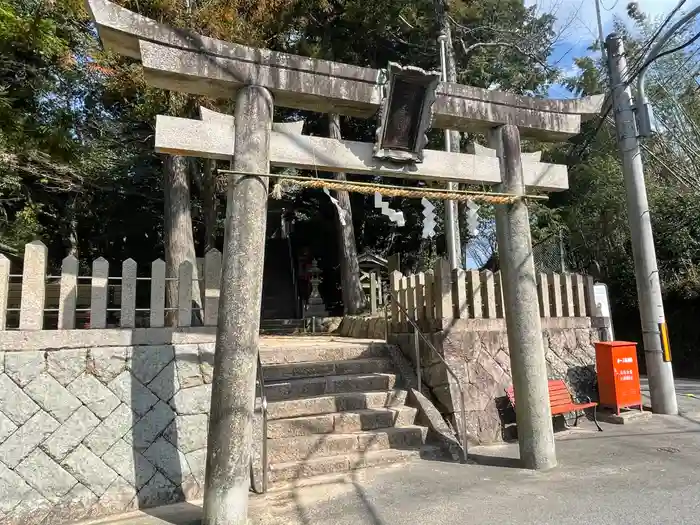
665 342
601 308
602 305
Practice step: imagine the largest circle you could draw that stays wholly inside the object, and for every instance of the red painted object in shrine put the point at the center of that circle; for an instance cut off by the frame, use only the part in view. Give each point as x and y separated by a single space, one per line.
618 375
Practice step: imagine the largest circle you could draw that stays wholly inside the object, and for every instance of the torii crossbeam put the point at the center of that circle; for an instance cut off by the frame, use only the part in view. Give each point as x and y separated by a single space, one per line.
213 137
177 59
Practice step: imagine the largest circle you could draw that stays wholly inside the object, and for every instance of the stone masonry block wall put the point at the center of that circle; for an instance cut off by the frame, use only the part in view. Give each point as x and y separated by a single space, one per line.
362 327
477 351
94 430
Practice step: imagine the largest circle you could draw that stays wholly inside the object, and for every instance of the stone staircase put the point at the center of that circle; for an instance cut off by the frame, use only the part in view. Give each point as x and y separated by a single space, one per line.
279 296
282 326
336 406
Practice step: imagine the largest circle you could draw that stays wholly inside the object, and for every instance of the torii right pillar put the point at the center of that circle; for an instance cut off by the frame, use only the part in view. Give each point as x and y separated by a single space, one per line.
527 358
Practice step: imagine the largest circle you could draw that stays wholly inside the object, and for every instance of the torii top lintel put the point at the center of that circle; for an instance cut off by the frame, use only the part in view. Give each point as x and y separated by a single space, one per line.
181 60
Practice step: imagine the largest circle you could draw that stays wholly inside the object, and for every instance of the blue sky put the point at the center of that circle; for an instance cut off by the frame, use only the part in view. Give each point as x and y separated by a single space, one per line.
576 19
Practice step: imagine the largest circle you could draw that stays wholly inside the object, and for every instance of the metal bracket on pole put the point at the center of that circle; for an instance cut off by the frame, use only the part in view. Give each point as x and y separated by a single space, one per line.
645 119
644 108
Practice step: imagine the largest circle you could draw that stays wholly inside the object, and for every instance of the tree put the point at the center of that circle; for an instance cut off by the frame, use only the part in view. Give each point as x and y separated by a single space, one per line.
210 203
231 21
179 239
49 147
353 295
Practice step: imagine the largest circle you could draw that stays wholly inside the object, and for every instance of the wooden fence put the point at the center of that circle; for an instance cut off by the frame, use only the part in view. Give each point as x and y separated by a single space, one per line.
374 291
34 300
442 293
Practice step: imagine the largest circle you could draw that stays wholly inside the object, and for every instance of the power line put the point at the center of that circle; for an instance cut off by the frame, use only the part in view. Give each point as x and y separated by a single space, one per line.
655 53
656 34
669 52
609 8
685 69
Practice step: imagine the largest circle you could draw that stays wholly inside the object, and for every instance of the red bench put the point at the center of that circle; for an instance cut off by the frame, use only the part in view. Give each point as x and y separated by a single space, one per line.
561 402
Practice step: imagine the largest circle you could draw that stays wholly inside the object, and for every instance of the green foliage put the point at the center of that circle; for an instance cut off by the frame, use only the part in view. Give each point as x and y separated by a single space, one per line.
589 80
24 228
39 71
77 123
594 211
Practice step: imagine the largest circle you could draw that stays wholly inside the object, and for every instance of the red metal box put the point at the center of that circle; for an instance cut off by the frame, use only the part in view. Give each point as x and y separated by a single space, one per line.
618 375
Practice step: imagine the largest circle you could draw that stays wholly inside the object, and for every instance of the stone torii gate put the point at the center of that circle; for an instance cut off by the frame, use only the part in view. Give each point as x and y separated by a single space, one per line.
180 60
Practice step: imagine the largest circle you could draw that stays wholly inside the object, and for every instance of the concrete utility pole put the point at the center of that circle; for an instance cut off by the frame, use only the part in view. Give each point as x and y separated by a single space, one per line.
452 234
601 35
527 358
651 307
235 360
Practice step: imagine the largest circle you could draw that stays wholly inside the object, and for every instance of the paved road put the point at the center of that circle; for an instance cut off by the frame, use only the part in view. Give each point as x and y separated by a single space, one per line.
647 473
651 477
688 393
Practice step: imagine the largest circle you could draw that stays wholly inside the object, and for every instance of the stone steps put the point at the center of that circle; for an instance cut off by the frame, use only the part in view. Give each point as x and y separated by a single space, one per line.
335 403
283 372
302 448
342 422
281 330
272 354
282 326
333 406
281 472
319 386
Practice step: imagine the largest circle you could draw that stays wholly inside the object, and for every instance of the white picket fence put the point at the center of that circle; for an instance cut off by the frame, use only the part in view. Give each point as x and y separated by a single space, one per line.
442 293
100 300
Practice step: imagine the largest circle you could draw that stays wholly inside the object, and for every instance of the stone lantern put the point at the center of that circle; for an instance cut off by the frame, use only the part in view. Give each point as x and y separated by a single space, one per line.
315 306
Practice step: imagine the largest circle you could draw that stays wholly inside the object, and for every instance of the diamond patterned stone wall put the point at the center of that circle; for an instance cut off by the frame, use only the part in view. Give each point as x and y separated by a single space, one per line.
477 350
95 431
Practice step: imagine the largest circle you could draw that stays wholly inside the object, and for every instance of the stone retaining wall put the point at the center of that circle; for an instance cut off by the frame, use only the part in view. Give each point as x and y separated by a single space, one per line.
477 351
362 327
89 429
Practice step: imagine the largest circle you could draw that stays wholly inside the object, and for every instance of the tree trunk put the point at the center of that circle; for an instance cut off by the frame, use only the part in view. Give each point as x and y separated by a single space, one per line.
444 28
209 204
462 220
73 240
353 297
179 240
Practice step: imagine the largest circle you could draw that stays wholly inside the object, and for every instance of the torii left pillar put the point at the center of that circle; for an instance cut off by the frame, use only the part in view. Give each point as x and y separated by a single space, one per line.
227 479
